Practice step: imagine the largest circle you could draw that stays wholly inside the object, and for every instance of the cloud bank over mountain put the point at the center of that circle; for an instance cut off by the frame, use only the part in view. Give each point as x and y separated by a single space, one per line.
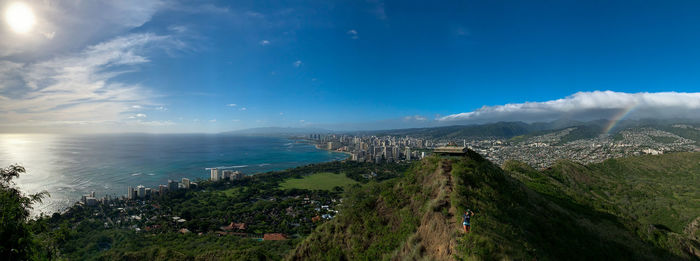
585 106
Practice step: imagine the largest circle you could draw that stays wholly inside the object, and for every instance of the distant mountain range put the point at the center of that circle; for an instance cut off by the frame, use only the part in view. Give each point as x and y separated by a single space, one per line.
496 130
277 131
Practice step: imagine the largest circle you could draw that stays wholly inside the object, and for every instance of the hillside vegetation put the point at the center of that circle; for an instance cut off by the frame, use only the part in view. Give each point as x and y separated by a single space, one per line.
569 212
658 192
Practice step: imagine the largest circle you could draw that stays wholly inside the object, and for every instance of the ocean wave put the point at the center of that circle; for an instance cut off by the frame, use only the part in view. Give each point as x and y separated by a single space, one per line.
136 174
228 167
263 164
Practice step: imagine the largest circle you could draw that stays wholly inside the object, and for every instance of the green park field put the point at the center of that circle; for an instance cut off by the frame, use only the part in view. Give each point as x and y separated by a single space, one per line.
320 181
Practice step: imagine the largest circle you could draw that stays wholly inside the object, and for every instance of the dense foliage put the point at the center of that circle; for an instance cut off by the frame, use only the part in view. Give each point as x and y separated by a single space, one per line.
16 239
659 193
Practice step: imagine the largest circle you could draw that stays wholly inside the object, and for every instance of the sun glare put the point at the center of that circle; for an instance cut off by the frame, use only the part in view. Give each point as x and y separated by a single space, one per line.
20 17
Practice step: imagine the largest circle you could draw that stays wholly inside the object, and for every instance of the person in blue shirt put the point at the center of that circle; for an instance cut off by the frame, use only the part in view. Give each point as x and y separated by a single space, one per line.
466 218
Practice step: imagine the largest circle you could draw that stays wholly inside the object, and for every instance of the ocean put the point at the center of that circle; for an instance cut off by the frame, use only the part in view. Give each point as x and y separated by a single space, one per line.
68 166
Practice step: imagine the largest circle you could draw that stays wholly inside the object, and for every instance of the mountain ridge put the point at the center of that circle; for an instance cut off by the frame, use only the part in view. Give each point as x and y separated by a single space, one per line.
514 220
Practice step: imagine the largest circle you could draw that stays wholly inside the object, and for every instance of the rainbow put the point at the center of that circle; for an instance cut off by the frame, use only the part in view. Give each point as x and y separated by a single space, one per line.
618 117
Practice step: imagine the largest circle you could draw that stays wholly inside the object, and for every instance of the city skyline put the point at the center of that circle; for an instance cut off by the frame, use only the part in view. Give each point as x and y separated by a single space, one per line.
215 66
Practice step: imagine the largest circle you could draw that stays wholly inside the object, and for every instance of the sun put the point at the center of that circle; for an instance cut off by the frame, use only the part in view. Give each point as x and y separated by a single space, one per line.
20 17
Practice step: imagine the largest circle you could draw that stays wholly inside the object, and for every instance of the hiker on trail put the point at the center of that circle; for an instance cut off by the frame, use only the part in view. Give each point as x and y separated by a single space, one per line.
465 220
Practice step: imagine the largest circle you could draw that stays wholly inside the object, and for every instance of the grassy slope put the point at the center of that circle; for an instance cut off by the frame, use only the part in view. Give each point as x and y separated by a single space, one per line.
516 222
633 184
322 181
407 218
376 219
658 192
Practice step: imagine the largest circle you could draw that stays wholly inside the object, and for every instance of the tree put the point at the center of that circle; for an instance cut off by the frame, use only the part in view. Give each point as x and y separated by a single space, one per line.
16 241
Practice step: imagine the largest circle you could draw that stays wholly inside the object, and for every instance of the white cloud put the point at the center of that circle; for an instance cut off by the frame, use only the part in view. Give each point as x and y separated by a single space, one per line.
63 25
49 35
264 42
353 34
590 106
235 120
177 28
415 118
243 109
161 108
79 87
281 113
155 123
138 115
212 120
231 105
297 64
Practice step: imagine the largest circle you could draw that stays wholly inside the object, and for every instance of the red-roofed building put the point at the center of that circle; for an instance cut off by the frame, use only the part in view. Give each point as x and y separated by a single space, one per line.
274 236
233 225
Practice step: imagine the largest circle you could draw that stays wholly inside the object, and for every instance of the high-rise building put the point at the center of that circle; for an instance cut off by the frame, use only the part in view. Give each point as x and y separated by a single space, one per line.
130 193
172 185
186 183
141 191
214 174
90 201
161 189
408 153
226 174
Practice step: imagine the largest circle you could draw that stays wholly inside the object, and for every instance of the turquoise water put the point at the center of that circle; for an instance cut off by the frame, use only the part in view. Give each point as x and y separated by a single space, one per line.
68 166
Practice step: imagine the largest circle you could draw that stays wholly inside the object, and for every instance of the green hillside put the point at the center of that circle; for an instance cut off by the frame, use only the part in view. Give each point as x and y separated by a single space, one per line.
658 192
520 213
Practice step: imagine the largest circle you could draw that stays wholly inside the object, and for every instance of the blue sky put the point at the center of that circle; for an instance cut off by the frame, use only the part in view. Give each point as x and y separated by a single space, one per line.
216 66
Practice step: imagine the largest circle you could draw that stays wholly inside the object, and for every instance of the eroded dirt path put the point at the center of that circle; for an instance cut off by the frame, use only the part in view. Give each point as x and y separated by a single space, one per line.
435 238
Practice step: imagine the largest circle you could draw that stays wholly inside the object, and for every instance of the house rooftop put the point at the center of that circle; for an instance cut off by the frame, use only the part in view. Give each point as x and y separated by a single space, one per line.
274 236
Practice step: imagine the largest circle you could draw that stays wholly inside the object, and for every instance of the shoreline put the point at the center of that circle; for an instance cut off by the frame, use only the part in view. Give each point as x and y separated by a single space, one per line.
77 200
